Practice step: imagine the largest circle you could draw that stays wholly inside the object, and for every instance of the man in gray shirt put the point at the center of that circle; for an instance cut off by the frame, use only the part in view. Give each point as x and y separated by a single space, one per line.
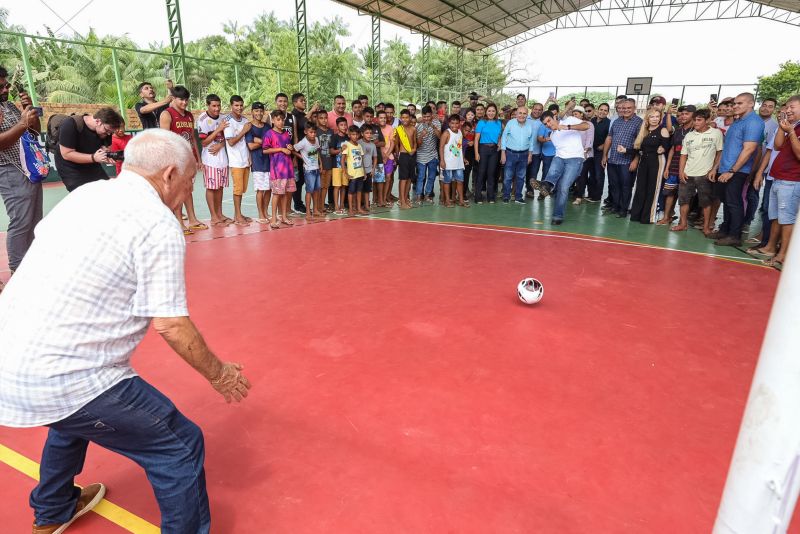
429 130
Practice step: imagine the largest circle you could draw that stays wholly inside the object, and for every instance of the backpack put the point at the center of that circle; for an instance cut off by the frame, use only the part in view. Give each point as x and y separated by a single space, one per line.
54 125
34 160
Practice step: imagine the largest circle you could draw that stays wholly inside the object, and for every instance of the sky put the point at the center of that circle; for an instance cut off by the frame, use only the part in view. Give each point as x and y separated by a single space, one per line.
731 52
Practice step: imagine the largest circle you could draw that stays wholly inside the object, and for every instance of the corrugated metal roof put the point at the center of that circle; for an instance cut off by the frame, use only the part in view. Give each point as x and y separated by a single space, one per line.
478 24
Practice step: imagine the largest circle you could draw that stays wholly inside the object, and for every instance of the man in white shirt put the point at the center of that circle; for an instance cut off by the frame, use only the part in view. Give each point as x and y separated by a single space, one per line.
120 255
238 156
568 161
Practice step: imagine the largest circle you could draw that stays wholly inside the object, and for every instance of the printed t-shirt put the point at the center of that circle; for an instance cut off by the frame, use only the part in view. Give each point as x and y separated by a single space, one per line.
280 164
206 125
309 153
238 154
701 149
324 138
355 159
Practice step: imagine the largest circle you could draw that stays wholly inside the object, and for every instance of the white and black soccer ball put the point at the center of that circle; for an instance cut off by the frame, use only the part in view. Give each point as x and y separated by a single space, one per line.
530 290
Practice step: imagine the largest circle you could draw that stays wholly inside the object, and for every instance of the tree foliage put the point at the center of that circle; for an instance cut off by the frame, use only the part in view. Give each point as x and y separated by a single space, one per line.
782 84
262 57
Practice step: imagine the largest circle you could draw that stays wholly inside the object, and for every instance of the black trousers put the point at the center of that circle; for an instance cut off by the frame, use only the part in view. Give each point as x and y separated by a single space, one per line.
487 172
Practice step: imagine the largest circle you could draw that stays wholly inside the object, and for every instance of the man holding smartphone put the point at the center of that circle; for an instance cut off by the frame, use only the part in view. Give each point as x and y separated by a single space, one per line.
22 199
148 109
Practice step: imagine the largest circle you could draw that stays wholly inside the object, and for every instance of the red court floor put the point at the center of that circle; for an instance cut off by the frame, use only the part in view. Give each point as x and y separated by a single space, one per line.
401 387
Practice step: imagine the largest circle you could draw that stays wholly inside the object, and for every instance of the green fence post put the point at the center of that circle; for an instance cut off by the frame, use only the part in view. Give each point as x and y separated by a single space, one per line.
118 80
26 63
236 78
280 81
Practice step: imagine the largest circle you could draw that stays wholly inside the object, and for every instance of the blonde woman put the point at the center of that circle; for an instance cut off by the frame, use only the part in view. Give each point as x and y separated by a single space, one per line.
651 146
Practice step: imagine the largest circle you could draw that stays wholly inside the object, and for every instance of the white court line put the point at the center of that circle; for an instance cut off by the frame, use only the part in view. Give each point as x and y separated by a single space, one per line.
576 238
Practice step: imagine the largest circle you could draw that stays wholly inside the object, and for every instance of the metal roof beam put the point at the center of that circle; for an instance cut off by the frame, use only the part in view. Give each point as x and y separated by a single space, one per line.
635 12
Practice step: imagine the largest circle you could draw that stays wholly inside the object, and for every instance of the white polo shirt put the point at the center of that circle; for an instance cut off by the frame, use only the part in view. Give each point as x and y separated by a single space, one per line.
107 259
568 143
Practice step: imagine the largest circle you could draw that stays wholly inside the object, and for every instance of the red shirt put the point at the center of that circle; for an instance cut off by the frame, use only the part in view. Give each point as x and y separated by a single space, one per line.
119 143
787 166
332 116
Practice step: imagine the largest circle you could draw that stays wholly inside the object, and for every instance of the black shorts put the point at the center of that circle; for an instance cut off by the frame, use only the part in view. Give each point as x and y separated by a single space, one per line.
368 183
356 185
407 165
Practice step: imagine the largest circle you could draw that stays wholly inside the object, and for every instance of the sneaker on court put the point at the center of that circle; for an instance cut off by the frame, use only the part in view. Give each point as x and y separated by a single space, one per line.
91 495
593 201
547 188
529 194
519 202
505 201
717 235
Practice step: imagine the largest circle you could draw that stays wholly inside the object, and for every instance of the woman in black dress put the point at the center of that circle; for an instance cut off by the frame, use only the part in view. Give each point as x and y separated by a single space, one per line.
651 146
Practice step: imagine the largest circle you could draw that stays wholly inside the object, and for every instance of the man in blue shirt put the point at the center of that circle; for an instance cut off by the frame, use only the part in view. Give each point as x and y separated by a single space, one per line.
738 156
618 154
516 145
535 120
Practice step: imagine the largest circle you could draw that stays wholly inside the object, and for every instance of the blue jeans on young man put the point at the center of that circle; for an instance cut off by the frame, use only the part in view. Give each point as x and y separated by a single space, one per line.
733 205
532 171
562 174
137 421
620 187
426 176
515 169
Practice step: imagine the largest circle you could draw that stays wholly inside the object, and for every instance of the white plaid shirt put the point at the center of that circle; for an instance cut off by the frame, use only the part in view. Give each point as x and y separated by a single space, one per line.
106 260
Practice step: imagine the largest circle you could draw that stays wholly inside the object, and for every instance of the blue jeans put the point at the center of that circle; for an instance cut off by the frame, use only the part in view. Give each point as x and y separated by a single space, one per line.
733 205
546 162
766 224
516 167
597 176
137 421
533 170
562 174
752 204
620 187
426 176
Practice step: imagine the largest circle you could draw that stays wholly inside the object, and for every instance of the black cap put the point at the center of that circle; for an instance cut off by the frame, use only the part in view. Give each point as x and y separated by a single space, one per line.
473 95
257 105
690 108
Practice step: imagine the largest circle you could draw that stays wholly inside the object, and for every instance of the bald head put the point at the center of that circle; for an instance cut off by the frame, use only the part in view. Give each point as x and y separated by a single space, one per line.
743 104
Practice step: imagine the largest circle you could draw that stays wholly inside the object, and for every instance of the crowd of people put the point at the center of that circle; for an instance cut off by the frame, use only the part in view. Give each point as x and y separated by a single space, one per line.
348 161
121 252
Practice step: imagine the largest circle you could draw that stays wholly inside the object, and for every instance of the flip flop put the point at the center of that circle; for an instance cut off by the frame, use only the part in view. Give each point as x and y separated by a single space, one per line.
199 226
187 231
287 222
275 226
755 251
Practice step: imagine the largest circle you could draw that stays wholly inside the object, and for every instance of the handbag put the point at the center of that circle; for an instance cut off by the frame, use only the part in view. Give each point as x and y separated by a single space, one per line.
34 160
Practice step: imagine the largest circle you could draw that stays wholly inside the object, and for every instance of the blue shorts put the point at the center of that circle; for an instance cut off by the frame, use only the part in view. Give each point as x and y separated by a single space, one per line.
454 175
671 184
313 183
356 185
784 201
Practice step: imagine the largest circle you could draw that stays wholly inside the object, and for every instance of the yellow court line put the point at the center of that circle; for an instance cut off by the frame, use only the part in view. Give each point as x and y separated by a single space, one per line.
577 237
117 515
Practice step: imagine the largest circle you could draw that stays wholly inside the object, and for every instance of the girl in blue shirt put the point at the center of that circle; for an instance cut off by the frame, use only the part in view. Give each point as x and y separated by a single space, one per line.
487 153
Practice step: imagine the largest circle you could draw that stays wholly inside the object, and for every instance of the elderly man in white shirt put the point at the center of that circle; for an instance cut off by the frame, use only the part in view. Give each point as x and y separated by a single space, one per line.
67 335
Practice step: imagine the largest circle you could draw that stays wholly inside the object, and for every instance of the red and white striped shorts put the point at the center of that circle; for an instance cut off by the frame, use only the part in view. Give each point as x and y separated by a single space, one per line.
215 178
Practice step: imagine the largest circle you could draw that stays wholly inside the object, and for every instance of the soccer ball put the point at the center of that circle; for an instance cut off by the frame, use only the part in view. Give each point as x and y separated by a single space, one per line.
530 291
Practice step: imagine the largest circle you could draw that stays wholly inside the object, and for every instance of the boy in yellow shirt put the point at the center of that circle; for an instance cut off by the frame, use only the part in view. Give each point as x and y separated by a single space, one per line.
353 170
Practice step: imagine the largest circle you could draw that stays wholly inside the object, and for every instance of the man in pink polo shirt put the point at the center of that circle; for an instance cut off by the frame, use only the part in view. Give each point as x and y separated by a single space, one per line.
339 105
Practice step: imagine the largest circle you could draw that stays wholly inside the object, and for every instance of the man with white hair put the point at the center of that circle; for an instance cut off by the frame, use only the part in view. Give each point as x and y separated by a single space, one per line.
120 255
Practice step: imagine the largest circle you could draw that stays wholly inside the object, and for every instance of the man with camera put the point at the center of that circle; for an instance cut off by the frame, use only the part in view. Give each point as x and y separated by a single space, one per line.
22 199
83 143
149 109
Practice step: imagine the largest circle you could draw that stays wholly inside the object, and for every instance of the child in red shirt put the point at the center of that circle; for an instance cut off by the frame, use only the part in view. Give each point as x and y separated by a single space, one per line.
118 142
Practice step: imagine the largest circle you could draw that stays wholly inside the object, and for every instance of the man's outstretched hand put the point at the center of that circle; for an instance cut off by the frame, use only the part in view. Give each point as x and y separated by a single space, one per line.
231 383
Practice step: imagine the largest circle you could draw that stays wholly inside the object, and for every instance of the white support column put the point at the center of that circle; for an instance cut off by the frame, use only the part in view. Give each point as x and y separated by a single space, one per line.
764 477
